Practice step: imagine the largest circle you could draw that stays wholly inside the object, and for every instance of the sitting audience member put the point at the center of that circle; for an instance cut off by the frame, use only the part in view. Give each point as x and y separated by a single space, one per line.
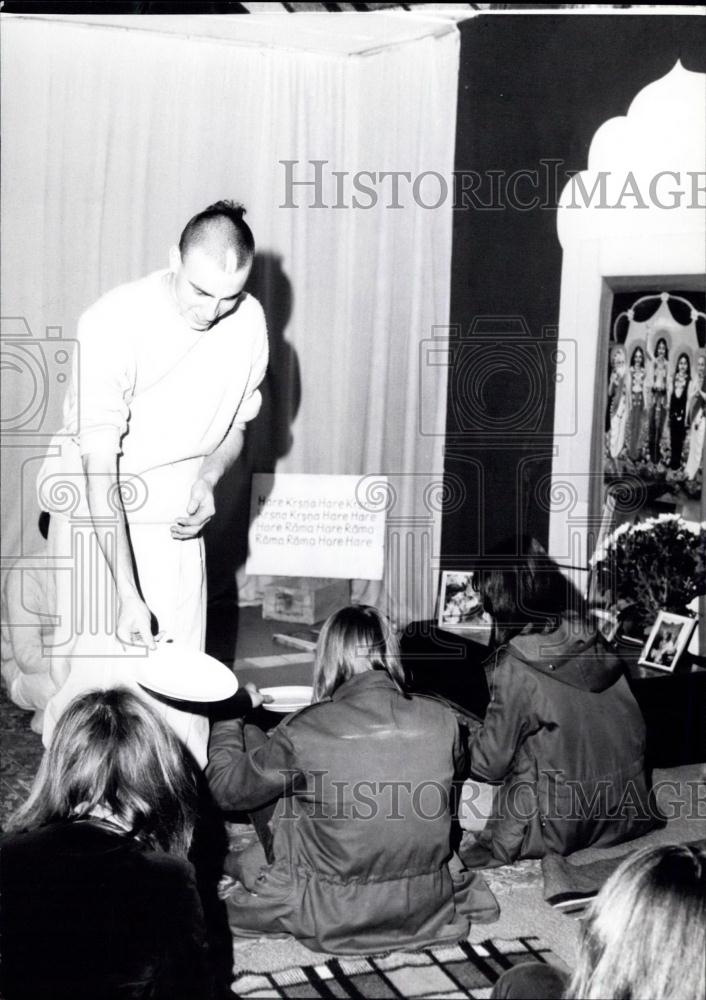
27 625
99 900
644 936
563 735
451 666
363 781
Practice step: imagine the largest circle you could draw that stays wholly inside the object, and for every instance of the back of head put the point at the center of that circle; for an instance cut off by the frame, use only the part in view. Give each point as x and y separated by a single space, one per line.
111 752
645 933
353 640
522 586
222 233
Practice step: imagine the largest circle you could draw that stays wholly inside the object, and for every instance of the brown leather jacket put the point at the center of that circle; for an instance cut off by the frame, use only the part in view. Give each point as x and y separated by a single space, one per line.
361 829
565 737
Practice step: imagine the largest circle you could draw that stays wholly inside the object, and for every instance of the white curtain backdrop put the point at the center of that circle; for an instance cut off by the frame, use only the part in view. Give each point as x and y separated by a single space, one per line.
113 136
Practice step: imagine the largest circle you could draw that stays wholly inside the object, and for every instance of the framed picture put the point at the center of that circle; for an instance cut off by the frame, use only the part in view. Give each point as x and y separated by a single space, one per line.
651 427
667 641
460 605
608 623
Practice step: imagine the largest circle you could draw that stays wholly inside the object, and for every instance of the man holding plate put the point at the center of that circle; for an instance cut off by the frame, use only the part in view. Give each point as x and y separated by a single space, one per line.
165 379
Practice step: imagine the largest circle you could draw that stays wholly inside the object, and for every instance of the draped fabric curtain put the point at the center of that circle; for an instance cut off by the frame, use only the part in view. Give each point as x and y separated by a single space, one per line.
113 136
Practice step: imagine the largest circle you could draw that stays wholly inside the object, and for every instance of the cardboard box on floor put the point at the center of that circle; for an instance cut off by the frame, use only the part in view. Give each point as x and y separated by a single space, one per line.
304 599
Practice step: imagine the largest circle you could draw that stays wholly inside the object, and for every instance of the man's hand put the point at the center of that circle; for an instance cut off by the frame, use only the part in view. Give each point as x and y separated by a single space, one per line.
199 510
256 696
135 623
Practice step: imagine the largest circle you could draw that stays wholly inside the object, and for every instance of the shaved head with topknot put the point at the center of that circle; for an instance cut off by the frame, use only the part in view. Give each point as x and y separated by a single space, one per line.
221 232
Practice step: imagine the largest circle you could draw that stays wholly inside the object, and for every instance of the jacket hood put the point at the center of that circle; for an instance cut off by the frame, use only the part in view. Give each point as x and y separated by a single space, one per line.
572 654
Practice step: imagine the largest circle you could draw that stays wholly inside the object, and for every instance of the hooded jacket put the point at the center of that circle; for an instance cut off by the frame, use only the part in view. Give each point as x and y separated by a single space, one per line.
361 831
566 739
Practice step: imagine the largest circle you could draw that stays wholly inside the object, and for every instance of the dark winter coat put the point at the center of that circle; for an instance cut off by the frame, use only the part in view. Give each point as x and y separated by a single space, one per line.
566 738
89 913
362 827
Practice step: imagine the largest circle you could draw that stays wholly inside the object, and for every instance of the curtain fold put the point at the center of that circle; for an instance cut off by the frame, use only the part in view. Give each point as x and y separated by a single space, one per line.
113 138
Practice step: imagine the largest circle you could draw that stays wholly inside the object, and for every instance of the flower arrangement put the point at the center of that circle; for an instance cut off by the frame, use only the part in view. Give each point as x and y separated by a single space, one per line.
652 565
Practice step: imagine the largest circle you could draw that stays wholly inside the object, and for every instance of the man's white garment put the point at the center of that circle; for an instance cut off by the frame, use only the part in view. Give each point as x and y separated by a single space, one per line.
163 396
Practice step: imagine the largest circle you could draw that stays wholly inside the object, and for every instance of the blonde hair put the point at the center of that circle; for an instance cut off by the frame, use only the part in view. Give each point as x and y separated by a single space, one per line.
645 933
353 640
111 751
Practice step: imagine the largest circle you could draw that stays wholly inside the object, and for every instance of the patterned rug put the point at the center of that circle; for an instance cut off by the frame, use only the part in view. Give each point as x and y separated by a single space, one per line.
454 971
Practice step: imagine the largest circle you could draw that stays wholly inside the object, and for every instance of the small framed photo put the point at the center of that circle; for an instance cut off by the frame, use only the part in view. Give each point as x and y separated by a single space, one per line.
667 641
607 622
460 605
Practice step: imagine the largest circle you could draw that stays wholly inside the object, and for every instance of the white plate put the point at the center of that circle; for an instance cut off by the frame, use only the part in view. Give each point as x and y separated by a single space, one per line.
288 699
186 674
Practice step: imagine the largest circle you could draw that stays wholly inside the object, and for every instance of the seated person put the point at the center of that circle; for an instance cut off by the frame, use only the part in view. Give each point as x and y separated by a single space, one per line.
563 736
362 780
27 623
448 662
644 935
99 900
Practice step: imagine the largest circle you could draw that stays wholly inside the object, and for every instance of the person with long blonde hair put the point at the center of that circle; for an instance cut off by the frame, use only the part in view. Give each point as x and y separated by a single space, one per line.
99 899
643 937
361 857
355 640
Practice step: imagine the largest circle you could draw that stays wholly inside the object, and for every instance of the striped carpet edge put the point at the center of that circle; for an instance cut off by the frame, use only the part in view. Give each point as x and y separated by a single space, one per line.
447 973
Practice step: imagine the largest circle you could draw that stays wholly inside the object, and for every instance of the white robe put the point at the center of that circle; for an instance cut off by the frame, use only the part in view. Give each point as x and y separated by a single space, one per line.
145 385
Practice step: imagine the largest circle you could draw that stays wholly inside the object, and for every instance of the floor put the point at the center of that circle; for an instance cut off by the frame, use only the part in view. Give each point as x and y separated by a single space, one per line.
20 753
256 655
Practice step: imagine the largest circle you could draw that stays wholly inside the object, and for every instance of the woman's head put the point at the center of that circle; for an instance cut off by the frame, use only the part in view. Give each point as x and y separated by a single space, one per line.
661 349
645 933
638 358
111 752
353 640
684 365
522 586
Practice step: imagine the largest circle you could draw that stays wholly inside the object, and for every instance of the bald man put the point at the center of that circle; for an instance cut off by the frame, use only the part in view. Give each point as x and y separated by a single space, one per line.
165 380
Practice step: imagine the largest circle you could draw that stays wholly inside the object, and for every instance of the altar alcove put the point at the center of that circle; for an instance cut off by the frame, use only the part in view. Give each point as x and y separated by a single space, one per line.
632 226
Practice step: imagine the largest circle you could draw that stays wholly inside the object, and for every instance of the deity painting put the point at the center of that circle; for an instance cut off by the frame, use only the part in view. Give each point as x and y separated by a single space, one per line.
655 413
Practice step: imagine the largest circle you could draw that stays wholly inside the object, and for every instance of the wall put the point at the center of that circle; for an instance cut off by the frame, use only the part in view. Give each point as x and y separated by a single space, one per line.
531 89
